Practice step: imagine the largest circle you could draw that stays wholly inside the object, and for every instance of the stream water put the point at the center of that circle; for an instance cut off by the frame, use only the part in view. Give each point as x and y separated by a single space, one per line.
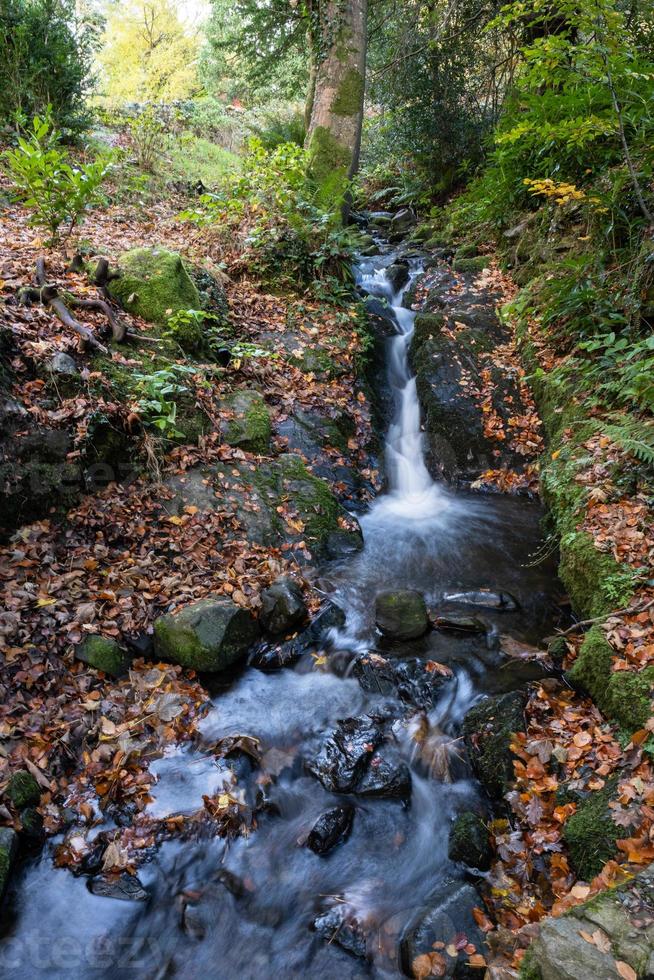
246 908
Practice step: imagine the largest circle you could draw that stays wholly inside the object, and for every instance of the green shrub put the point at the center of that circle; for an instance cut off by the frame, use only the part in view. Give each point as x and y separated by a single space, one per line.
48 181
157 398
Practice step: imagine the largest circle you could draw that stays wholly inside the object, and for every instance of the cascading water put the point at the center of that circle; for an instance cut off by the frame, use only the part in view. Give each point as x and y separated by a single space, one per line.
248 907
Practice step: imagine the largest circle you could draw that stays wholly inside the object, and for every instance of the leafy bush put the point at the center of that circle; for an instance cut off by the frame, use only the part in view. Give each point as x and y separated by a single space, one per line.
45 59
148 138
58 190
277 128
156 404
289 239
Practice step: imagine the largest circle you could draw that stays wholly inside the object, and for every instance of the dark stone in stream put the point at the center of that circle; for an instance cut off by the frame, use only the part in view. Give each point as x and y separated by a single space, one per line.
401 223
401 614
447 921
283 608
266 657
344 756
397 275
343 544
125 887
469 842
8 855
484 599
488 729
460 624
330 829
410 679
387 776
337 926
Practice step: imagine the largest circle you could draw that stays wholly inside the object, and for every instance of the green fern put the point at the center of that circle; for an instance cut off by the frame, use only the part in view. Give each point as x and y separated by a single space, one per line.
635 436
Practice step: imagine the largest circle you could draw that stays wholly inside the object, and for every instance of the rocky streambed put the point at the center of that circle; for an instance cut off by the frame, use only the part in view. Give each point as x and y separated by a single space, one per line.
354 761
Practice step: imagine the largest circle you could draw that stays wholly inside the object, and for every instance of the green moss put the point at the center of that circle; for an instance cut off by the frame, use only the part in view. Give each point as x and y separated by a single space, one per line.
469 842
427 326
596 583
488 729
628 698
8 851
104 654
529 968
590 834
187 333
250 428
23 790
209 635
329 166
154 283
476 264
349 95
313 360
591 670
467 251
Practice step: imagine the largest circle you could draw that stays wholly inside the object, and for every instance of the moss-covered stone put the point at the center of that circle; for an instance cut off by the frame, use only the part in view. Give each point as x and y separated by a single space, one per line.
154 283
592 668
590 576
488 729
628 698
187 332
103 653
467 251
471 265
23 790
250 427
529 968
469 842
313 360
590 834
209 635
401 614
8 854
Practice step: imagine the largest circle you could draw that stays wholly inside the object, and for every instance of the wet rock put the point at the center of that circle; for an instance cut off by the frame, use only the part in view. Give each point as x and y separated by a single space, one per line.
411 680
469 842
103 653
344 756
330 829
380 218
401 615
343 544
8 855
32 825
250 427
488 729
459 624
387 776
63 364
329 617
338 925
141 644
125 888
23 790
283 608
155 283
483 598
397 275
402 222
267 657
447 921
209 635
374 673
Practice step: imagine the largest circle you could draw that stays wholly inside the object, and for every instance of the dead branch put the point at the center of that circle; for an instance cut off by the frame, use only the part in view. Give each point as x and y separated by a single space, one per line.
48 295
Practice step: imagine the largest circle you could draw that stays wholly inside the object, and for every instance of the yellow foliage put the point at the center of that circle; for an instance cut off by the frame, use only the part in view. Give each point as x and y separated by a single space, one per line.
561 193
148 54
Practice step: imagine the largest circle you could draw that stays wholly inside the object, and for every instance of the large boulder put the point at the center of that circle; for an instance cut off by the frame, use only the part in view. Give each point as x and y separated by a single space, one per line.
209 635
441 925
249 427
488 729
283 608
401 614
623 937
401 223
154 283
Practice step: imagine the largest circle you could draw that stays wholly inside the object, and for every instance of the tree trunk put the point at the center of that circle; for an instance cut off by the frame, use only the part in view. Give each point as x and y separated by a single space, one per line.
334 137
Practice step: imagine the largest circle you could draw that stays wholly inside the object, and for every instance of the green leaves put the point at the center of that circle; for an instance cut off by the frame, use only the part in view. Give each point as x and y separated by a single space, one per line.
48 181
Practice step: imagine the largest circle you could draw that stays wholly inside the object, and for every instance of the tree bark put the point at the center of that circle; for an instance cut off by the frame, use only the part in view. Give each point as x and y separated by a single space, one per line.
334 137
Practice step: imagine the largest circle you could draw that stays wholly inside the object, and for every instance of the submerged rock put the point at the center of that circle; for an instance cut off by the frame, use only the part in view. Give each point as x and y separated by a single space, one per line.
387 776
330 829
209 635
459 624
401 614
103 653
488 729
125 887
483 598
338 925
154 283
443 925
283 608
469 842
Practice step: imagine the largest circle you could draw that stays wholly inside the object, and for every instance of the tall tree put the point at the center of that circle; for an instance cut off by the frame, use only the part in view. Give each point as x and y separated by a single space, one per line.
339 37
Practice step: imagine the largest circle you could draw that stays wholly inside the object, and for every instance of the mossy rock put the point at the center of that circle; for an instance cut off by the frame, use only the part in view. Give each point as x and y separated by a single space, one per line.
250 428
8 855
23 790
590 834
467 251
529 968
154 284
488 729
187 332
103 653
427 326
401 614
623 696
476 264
313 360
590 575
469 842
209 635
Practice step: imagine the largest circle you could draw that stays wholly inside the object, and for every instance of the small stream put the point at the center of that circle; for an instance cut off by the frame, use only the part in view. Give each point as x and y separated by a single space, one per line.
252 907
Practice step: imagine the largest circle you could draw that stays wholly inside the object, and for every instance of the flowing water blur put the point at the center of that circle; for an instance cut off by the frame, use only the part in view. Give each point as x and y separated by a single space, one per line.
245 908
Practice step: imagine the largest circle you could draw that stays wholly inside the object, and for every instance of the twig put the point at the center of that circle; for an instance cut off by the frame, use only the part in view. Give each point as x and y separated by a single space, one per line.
602 619
49 296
